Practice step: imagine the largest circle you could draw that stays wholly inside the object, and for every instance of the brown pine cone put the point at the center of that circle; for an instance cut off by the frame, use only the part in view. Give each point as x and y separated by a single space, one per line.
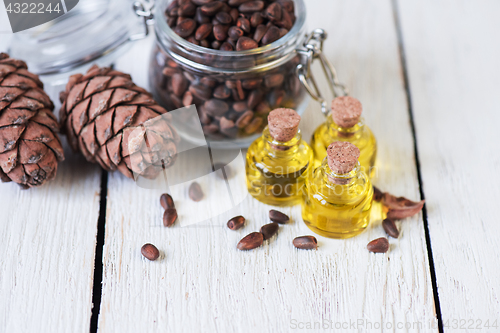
29 145
117 124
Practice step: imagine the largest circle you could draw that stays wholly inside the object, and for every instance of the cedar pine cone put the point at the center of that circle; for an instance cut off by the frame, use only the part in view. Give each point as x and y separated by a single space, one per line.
29 145
117 124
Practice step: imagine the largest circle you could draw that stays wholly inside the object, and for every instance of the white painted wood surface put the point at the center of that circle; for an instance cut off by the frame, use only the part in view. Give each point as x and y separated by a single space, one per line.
452 53
48 239
202 283
48 248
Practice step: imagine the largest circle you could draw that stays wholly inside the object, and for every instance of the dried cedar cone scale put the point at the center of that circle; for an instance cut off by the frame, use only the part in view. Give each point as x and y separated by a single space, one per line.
29 145
117 124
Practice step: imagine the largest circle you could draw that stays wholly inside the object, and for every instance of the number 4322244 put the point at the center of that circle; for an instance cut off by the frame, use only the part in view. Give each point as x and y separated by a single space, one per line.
32 8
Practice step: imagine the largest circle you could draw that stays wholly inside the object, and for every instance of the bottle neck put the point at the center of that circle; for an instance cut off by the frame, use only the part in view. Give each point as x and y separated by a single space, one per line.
345 132
280 148
339 179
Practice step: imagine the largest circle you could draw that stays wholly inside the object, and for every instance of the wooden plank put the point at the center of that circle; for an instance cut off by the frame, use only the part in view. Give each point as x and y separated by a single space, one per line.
203 283
48 246
452 54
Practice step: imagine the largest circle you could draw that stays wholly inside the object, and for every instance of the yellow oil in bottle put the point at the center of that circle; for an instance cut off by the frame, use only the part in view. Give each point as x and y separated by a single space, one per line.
337 206
276 171
359 135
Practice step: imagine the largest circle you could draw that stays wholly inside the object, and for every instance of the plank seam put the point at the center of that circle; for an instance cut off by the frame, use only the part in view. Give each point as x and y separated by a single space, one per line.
98 262
406 83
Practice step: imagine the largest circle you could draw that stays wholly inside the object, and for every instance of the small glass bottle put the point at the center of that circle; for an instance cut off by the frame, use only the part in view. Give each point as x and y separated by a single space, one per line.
338 195
278 163
344 123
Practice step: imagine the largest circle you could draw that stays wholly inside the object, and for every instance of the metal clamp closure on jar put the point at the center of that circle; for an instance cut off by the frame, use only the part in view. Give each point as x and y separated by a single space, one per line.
144 9
313 49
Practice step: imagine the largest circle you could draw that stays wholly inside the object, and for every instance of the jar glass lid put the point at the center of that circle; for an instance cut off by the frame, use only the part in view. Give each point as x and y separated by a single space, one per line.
92 29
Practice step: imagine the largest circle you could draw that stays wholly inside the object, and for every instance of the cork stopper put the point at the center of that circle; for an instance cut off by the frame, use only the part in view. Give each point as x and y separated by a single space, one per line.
342 157
346 111
283 124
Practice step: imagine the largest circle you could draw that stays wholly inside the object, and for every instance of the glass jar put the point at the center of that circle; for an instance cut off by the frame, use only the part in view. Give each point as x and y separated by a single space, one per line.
93 32
233 91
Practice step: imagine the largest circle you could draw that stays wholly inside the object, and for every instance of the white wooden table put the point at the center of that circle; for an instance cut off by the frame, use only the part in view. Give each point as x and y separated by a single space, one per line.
427 73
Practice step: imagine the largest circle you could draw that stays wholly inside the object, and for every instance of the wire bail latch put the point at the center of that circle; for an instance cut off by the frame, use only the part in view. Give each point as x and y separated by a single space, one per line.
144 9
312 50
